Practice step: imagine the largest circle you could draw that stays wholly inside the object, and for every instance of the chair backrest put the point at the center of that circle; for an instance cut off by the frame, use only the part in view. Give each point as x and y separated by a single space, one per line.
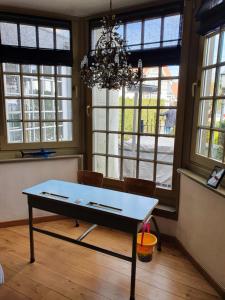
90 178
139 186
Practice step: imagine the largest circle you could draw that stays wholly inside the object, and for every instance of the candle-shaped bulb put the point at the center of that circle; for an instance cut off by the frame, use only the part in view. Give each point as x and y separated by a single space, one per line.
117 59
140 64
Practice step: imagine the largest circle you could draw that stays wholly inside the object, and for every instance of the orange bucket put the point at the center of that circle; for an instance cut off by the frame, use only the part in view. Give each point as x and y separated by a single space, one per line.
145 246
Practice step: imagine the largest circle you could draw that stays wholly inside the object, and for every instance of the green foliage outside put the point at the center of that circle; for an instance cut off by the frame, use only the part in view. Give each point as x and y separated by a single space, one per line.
147 115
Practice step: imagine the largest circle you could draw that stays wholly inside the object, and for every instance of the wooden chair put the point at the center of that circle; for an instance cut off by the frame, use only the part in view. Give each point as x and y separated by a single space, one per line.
143 188
89 178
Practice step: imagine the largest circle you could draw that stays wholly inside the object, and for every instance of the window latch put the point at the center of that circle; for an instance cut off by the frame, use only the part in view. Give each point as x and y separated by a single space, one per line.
88 110
193 88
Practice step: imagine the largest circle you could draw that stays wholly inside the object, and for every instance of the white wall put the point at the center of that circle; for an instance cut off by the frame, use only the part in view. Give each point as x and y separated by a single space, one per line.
201 227
16 176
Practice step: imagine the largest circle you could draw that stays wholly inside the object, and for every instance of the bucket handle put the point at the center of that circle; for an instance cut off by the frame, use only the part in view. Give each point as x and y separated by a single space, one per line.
144 227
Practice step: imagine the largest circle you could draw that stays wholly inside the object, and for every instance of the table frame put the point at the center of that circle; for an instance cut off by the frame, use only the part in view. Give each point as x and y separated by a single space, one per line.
47 204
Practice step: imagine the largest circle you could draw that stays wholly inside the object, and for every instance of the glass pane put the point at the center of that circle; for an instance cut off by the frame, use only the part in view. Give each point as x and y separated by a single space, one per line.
99 118
130 145
28 36
12 85
99 142
63 70
120 30
203 142
152 32
31 109
114 143
211 50
147 147
64 87
129 168
219 114
64 109
164 174
7 67
205 113
30 85
132 96
47 69
149 93
48 109
65 131
217 145
167 121
130 120
48 131
171 30
29 69
151 72
148 121
47 86
13 109
133 35
169 92
221 82
115 98
45 37
14 132
208 82
62 39
9 34
32 132
114 167
222 51
99 164
146 170
115 117
95 35
170 71
98 97
165 151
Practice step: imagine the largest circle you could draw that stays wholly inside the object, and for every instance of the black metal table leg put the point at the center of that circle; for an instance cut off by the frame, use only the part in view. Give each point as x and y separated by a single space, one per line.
32 259
133 267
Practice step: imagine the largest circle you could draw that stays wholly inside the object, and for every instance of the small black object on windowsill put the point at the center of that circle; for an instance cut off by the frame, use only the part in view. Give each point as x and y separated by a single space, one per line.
37 153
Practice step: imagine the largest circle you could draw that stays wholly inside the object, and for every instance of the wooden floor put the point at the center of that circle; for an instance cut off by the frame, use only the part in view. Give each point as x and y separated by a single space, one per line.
66 271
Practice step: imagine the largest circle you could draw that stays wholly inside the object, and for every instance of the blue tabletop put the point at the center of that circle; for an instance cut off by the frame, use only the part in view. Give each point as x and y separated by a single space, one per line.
119 203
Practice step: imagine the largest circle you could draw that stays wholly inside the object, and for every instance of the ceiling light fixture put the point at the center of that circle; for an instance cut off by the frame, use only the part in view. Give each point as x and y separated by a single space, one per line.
107 65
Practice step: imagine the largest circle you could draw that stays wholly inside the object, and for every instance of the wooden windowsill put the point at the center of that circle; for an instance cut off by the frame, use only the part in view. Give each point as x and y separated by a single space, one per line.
202 181
28 159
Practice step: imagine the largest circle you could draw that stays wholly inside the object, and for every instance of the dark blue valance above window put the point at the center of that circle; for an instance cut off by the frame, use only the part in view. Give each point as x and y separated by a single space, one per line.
34 40
210 16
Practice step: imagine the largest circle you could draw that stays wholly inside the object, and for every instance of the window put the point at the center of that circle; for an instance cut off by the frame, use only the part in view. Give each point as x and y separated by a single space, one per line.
134 129
38 103
43 37
148 33
210 137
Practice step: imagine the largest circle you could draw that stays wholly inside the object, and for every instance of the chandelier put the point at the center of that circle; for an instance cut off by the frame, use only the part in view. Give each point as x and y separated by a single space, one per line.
107 66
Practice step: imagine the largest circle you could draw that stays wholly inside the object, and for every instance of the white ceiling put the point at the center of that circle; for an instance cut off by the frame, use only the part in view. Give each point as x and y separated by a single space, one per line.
71 7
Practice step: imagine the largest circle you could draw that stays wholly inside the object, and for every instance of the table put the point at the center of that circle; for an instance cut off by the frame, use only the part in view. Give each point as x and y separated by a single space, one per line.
98 206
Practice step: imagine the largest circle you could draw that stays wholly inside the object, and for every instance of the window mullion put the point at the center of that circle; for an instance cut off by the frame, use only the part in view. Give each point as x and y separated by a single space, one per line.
214 95
122 132
107 133
157 124
22 102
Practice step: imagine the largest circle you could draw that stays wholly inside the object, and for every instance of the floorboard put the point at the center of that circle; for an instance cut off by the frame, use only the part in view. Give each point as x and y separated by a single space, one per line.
66 271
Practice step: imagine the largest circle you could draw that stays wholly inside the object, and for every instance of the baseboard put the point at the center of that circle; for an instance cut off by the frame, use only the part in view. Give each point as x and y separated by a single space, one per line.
35 220
201 269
